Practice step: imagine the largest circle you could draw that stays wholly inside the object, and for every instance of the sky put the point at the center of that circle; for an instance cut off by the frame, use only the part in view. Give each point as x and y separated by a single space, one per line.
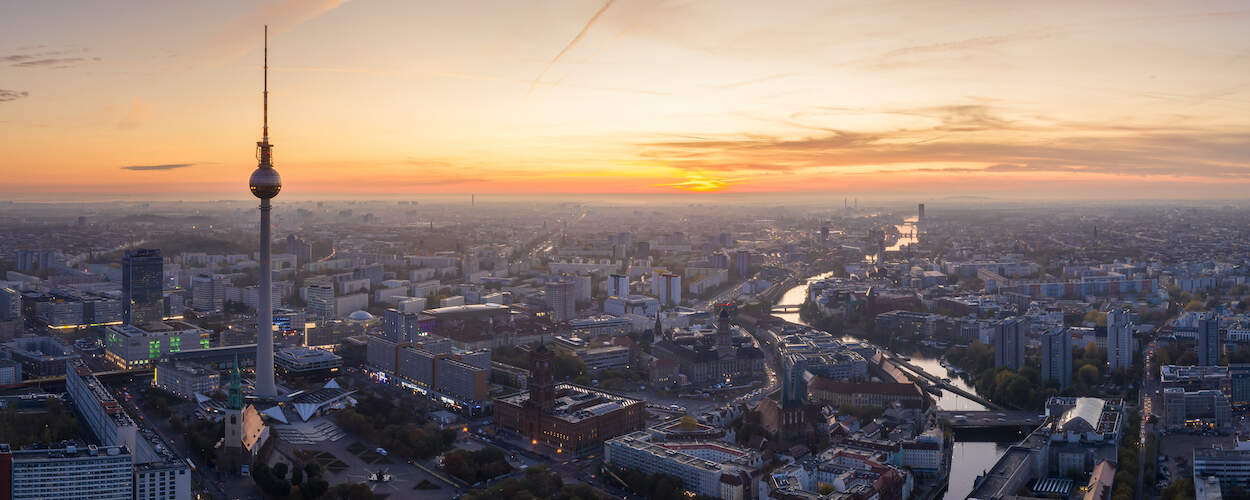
405 98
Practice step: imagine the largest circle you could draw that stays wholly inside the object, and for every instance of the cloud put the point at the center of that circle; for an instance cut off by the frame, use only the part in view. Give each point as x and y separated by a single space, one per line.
243 35
572 43
972 139
55 59
167 166
12 95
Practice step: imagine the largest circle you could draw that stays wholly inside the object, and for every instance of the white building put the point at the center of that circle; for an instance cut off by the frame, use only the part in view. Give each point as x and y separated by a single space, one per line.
103 473
631 304
715 469
1119 339
561 300
618 285
208 292
321 301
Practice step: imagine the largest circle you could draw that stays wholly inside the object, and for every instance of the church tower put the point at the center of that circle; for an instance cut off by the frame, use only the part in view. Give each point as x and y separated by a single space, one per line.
231 452
542 379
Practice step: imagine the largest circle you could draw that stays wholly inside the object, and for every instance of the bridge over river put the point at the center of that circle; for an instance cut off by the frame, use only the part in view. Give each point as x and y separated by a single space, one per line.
991 419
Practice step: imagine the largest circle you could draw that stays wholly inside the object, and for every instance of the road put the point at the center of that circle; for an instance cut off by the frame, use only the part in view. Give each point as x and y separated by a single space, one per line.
1144 401
162 429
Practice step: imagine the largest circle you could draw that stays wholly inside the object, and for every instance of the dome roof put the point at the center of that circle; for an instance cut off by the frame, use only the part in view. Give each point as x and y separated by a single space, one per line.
1082 417
360 315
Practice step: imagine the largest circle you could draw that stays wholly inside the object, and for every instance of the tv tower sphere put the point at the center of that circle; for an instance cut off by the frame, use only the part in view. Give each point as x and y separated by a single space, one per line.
265 182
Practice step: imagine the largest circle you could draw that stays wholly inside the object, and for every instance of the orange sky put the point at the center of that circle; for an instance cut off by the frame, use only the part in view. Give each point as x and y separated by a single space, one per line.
396 98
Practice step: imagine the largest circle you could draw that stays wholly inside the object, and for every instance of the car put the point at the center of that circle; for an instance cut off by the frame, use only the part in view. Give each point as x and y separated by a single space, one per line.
381 451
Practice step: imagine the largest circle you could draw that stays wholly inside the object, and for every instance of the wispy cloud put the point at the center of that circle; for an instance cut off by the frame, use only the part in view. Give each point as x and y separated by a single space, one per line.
243 35
55 59
971 139
12 95
135 115
167 166
572 43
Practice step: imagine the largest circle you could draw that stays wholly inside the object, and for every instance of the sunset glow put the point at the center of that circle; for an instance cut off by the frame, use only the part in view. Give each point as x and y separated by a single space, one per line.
393 97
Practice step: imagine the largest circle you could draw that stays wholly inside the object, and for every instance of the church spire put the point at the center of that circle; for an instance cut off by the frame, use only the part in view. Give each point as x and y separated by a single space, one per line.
234 400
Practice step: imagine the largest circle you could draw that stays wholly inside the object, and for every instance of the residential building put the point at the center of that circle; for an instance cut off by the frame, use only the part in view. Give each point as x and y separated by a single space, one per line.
69 471
1009 343
1119 339
561 300
208 292
40 357
1057 357
1209 342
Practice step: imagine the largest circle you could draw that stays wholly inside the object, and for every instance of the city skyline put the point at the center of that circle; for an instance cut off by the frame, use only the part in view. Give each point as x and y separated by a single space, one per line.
390 99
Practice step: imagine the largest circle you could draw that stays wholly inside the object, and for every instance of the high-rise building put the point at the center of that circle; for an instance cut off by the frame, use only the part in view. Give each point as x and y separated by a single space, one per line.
265 184
10 304
208 292
1209 343
920 212
742 262
669 289
301 249
561 300
320 300
143 274
1119 339
1057 357
618 285
400 326
34 261
1009 343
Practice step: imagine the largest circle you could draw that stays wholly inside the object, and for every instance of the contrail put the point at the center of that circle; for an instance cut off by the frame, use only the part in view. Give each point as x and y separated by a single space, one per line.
568 47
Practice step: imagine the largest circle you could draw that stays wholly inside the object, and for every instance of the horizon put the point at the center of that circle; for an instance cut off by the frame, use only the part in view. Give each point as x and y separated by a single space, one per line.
688 99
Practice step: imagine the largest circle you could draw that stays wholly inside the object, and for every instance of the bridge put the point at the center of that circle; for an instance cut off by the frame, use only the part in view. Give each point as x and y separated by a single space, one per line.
991 419
937 381
789 308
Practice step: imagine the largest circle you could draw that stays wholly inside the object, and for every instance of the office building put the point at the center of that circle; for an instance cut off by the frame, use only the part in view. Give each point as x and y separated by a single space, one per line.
1009 343
1209 342
131 346
561 301
566 417
1057 357
320 300
428 366
632 304
1119 339
1205 409
143 275
306 362
186 379
1239 384
1230 467
68 471
10 304
712 468
40 357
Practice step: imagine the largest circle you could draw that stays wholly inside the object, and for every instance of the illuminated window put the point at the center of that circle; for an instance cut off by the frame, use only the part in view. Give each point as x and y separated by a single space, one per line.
154 349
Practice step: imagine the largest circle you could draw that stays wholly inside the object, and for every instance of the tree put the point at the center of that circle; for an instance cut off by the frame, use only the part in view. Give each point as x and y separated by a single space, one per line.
1088 374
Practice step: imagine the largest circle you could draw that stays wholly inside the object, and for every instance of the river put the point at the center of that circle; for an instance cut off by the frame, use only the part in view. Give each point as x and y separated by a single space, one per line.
969 458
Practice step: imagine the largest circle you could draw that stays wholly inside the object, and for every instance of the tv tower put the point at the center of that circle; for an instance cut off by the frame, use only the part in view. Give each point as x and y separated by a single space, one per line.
265 184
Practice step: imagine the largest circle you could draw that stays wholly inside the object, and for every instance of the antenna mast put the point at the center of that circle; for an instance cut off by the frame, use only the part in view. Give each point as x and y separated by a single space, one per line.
265 134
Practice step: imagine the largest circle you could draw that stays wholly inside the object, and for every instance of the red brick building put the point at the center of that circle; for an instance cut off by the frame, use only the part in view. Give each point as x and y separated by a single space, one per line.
568 417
